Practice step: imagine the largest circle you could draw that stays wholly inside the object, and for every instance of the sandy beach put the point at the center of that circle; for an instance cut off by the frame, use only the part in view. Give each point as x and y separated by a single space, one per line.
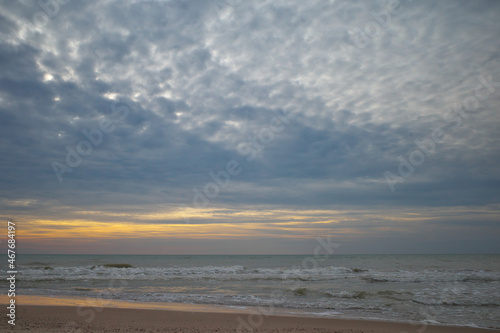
48 318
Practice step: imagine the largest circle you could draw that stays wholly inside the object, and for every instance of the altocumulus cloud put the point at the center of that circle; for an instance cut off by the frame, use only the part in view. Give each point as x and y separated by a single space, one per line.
202 82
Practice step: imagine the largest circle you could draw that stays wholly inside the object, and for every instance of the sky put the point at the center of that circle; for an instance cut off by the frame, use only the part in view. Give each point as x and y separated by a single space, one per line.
250 127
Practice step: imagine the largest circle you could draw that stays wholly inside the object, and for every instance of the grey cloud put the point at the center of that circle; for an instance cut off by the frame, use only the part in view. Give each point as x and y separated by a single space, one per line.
201 79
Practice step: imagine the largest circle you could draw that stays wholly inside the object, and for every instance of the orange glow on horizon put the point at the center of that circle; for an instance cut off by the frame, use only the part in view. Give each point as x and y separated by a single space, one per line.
224 223
111 230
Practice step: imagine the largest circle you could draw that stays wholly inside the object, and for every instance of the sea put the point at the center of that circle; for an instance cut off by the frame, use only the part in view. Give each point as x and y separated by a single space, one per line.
461 290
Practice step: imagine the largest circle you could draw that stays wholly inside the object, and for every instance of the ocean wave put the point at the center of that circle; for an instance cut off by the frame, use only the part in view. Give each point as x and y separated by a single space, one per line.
235 272
457 302
239 272
300 291
347 294
352 294
431 276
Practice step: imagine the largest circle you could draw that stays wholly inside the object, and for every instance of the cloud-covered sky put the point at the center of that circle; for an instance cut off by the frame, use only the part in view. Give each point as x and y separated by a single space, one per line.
239 126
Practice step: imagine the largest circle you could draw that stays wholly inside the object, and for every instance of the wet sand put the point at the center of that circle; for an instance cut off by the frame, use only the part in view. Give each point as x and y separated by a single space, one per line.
50 318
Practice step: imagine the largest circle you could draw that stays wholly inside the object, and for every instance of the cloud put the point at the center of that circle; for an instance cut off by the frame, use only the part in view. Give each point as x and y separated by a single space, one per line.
204 83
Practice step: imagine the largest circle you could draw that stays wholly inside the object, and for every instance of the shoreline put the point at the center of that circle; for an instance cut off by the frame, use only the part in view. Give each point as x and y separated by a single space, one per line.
73 314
